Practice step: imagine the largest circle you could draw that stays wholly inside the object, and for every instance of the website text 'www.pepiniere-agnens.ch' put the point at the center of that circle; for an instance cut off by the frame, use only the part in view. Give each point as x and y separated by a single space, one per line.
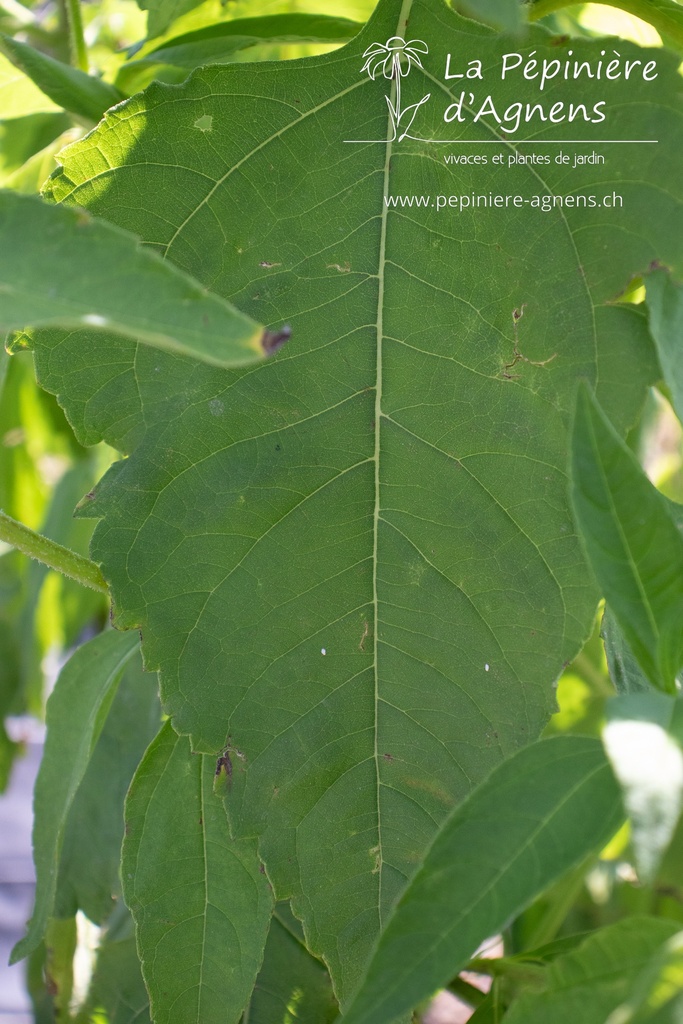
499 201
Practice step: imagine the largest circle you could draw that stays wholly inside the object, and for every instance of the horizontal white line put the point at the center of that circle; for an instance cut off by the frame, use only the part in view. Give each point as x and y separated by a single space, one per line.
519 142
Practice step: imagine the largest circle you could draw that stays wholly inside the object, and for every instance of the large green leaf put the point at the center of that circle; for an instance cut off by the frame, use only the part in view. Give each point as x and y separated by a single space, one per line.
632 541
200 902
356 564
589 983
537 815
76 712
61 267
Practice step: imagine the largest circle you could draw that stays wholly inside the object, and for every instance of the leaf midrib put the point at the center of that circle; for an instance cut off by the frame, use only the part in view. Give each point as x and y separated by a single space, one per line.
401 25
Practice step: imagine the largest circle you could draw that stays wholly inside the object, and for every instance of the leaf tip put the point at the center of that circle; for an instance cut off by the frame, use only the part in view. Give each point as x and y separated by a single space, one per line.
20 951
271 341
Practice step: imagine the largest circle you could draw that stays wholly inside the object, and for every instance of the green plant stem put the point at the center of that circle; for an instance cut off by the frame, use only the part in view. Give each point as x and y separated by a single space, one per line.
469 994
54 555
79 51
656 14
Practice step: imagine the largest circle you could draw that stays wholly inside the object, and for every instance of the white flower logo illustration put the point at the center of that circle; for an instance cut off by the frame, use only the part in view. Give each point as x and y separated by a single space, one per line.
396 57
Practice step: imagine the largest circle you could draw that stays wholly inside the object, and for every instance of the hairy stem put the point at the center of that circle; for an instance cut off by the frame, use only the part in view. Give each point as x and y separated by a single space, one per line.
662 15
54 555
79 51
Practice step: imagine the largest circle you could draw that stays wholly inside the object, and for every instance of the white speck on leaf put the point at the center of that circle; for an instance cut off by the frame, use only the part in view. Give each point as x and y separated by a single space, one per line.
94 320
216 407
486 667
323 651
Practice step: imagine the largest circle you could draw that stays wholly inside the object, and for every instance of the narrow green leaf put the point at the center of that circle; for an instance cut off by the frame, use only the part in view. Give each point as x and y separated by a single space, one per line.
89 867
8 752
75 716
589 983
60 945
32 175
537 815
18 94
217 43
628 363
117 986
200 902
292 985
488 1012
62 267
529 960
10 663
664 15
624 670
665 305
58 618
68 87
274 28
42 1003
656 995
23 137
631 540
642 738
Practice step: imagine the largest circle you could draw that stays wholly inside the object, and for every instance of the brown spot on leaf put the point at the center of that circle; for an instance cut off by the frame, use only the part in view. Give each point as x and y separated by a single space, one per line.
432 788
271 341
